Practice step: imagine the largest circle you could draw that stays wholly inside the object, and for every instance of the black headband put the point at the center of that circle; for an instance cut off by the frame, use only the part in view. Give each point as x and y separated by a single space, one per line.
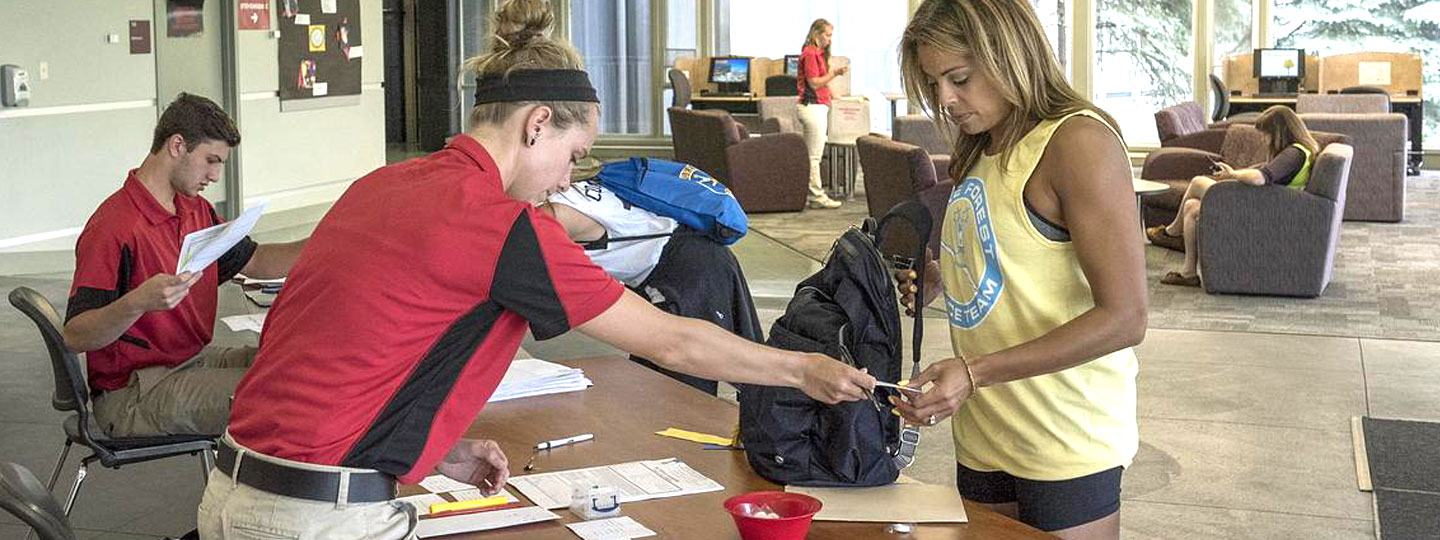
535 85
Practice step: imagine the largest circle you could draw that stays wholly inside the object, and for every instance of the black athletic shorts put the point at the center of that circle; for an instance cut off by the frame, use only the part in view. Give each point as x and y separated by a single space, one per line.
1048 506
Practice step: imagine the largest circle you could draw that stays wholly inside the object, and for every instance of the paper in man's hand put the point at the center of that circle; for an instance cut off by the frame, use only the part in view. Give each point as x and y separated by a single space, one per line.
203 247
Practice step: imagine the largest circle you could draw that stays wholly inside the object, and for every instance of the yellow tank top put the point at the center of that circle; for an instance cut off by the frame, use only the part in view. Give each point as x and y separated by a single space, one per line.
1006 284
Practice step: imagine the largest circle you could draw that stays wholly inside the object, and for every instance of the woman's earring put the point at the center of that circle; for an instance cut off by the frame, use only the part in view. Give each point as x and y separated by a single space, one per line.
535 137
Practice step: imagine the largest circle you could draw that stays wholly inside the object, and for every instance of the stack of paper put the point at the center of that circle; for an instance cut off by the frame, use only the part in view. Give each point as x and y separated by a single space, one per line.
533 377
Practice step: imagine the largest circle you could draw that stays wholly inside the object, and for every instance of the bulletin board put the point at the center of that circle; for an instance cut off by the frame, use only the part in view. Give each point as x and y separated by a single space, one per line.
319 49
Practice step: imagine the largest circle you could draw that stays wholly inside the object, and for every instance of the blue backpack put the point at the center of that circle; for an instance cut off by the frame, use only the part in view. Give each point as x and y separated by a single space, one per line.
680 192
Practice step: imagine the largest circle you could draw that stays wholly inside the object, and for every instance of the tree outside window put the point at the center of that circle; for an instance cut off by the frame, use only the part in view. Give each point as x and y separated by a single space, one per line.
1143 61
1346 26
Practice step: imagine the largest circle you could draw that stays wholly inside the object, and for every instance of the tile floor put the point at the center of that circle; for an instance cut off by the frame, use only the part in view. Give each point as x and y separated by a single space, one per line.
1242 435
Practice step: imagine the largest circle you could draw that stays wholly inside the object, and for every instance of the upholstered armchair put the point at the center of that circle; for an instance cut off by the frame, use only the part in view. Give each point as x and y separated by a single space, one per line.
1274 240
920 130
1240 145
767 173
895 172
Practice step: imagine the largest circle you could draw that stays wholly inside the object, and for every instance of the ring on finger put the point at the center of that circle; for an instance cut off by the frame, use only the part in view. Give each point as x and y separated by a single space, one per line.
930 421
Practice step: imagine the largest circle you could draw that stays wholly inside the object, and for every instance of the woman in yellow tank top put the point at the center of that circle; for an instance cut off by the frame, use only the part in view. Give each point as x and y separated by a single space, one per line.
1292 151
1041 267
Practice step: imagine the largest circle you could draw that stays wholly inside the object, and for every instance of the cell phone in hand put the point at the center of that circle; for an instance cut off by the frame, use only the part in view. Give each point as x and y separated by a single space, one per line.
902 263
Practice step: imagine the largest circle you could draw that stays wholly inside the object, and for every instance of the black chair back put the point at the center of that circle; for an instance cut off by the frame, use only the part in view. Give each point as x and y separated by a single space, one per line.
71 391
681 85
1222 98
25 497
781 85
1364 90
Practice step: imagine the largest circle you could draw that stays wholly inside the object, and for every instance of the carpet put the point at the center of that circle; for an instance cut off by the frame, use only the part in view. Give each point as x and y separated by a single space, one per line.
1385 283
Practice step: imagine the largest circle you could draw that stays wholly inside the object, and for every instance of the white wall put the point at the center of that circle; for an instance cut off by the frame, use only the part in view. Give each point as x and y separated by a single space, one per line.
57 163
86 125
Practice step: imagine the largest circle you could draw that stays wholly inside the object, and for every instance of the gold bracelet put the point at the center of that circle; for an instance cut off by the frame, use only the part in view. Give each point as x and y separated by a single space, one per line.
971 374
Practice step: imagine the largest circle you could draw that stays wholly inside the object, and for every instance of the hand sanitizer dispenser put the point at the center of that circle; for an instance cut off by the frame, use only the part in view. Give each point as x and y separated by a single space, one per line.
15 86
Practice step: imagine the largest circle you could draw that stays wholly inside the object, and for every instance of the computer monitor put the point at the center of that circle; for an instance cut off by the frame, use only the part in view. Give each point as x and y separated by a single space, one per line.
730 73
792 65
1280 70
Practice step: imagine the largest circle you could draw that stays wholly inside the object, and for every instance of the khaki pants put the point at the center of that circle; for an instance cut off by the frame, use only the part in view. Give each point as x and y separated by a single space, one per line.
234 511
191 398
815 119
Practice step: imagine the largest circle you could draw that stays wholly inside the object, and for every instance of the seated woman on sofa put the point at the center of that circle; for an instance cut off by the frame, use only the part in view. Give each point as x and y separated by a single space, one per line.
1292 151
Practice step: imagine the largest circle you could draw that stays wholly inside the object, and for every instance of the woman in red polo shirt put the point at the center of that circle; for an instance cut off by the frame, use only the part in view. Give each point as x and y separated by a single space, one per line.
814 83
411 298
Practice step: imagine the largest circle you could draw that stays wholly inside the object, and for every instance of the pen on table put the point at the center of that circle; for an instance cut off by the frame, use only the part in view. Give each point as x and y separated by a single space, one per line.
555 444
562 442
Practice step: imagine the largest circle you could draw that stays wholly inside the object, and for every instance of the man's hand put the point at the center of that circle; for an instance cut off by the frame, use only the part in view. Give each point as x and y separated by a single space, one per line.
162 291
480 463
830 381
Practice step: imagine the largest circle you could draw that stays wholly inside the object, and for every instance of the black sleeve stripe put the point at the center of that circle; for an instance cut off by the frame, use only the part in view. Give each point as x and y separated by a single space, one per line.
234 260
86 299
522 282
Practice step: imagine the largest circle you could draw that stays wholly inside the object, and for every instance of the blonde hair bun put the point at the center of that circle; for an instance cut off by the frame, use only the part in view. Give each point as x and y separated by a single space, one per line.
518 22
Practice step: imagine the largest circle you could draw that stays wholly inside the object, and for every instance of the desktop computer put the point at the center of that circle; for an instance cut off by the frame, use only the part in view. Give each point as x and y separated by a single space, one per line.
731 75
1280 71
792 65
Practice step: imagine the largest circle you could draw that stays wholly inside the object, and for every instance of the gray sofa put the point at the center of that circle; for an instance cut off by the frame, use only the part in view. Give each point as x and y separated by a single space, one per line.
1274 240
1377 178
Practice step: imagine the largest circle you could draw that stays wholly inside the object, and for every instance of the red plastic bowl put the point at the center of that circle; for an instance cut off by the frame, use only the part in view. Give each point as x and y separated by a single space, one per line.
795 511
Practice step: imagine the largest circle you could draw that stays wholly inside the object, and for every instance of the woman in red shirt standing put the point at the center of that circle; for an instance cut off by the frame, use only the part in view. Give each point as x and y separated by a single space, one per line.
814 83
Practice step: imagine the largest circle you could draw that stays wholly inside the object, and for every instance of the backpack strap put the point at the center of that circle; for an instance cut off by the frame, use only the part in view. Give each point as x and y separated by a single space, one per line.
919 218
604 241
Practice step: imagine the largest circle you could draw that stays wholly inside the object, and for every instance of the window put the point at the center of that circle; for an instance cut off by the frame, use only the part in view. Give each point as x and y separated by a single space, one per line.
474 20
680 40
1143 61
1054 17
1234 25
614 38
867 32
1339 27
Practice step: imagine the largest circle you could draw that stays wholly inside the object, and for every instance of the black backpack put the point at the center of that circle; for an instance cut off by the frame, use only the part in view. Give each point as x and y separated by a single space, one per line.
848 311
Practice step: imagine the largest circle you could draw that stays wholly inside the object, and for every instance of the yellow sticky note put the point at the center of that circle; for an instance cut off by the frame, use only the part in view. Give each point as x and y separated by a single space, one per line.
692 436
469 505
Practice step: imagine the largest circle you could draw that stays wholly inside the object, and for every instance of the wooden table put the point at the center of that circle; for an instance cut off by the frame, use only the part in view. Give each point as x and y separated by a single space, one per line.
625 407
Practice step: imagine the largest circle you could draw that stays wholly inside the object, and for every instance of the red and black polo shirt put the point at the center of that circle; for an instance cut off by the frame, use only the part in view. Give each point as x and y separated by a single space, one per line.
403 313
129 239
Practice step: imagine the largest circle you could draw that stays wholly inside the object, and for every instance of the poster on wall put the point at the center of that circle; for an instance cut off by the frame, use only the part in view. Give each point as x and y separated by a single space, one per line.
320 49
185 18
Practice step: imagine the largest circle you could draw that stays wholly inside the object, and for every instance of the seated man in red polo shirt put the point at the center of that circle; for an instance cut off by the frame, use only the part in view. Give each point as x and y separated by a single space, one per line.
145 329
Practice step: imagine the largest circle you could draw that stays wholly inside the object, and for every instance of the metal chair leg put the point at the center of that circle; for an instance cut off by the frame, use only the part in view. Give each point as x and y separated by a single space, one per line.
55 473
75 490
207 463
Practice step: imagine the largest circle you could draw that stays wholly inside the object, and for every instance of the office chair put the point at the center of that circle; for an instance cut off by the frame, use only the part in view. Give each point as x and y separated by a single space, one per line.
1363 90
781 85
681 86
22 495
72 394
1222 99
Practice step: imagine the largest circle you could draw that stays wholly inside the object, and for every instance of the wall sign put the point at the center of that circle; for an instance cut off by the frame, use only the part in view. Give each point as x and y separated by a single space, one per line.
254 15
139 37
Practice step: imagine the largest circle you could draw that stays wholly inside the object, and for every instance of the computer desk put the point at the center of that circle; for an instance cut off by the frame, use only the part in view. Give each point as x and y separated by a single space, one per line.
1410 106
624 409
731 104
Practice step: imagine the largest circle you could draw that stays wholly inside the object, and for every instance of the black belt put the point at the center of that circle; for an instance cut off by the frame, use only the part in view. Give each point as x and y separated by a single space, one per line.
307 484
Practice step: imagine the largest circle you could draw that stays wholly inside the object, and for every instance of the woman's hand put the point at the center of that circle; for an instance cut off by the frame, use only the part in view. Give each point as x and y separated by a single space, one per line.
840 71
1223 171
952 387
905 285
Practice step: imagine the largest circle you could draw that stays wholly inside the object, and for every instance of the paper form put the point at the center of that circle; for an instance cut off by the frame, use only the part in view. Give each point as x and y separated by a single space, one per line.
240 323
475 495
439 483
203 247
620 528
483 521
635 481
